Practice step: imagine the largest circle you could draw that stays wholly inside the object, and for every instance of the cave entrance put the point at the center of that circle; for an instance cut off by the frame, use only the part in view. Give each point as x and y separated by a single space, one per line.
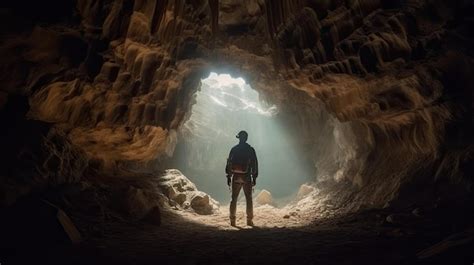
223 106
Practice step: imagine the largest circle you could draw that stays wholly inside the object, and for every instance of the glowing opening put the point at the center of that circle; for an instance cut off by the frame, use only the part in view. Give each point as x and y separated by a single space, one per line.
224 106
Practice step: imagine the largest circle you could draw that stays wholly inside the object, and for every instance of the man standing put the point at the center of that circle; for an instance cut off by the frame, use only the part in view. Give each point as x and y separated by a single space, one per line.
242 172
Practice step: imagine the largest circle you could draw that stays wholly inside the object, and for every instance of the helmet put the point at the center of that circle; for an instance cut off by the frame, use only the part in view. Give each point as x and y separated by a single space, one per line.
242 135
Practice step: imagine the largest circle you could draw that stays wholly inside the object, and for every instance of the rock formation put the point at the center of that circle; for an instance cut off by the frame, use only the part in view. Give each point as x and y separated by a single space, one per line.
378 93
304 190
264 197
180 191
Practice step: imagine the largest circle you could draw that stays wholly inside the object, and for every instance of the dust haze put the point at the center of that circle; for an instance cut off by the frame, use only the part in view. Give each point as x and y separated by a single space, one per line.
224 106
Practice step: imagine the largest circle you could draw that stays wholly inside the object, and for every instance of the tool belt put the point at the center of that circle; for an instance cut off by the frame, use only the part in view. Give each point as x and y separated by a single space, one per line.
240 178
239 169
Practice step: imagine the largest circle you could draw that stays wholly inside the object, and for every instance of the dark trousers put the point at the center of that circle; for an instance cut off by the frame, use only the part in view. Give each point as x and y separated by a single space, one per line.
236 187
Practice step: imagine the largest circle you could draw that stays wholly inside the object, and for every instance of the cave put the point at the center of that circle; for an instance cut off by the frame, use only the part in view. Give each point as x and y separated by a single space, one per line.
118 118
224 106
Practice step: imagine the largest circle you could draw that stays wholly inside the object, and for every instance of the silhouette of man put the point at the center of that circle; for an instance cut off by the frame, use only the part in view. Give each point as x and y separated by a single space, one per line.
242 172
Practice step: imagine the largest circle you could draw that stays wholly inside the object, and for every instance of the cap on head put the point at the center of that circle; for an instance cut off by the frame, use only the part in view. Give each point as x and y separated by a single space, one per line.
243 136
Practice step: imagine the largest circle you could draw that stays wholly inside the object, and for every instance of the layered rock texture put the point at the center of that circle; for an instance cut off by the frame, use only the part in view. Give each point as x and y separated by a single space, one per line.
182 193
378 93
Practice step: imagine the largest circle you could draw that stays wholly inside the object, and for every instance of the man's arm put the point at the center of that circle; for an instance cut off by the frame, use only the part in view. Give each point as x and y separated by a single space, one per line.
229 162
254 165
228 169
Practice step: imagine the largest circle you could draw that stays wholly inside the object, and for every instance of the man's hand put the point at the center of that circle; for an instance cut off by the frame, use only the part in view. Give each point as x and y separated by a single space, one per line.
229 180
254 181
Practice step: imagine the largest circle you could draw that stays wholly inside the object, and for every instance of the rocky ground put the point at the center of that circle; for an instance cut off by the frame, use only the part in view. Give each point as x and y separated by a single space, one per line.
308 202
363 238
309 230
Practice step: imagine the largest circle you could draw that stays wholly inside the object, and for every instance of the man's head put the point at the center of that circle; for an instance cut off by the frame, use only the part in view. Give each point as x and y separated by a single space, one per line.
242 135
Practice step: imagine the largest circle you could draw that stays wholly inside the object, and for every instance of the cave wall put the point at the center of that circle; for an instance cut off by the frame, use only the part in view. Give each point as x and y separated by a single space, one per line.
378 92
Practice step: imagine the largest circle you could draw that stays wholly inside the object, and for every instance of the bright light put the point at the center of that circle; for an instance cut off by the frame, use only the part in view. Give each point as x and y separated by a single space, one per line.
234 94
223 80
224 106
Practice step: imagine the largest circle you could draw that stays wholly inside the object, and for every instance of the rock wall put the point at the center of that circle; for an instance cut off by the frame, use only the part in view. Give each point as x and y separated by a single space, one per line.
379 92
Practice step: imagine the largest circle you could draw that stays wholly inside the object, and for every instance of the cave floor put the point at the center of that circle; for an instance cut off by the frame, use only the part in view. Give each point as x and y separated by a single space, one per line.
184 237
309 231
188 238
266 217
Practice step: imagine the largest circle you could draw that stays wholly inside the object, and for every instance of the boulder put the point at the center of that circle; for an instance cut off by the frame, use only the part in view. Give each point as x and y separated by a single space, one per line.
264 197
174 178
304 190
199 199
202 203
182 192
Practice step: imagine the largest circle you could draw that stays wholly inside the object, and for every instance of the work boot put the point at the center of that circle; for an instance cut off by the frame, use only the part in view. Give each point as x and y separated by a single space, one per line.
249 222
232 222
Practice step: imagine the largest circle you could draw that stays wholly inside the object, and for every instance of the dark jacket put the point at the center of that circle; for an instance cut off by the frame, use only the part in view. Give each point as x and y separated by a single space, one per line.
243 154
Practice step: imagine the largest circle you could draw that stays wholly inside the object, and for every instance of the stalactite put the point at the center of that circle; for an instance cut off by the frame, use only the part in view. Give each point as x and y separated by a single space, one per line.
178 13
214 5
277 12
269 18
178 8
268 11
160 10
287 9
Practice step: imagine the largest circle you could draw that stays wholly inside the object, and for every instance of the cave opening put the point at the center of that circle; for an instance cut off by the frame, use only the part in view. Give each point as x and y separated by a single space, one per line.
224 105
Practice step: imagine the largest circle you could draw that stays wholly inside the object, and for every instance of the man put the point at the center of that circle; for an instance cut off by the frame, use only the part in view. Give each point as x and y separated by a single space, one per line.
242 172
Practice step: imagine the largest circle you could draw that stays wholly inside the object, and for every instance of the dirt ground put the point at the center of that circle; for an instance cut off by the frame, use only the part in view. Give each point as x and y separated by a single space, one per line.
288 235
300 233
191 239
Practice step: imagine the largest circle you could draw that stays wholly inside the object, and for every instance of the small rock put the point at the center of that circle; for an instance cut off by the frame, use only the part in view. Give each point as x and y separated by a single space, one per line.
201 204
304 190
286 216
390 219
417 212
264 197
180 198
170 192
186 205
200 200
